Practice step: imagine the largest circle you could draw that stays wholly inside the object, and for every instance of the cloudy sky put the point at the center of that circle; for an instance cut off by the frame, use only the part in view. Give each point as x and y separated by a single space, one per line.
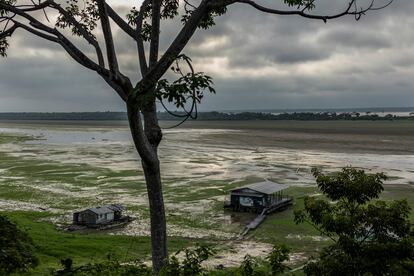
257 61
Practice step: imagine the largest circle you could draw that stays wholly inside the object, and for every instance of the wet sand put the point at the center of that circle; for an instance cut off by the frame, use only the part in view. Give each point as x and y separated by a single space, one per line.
377 137
75 165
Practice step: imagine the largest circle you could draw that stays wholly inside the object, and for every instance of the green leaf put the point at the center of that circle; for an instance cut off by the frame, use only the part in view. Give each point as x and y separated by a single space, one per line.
3 47
370 237
86 14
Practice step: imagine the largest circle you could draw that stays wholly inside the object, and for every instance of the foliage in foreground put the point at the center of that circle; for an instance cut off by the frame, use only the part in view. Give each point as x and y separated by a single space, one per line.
369 237
16 248
191 265
107 268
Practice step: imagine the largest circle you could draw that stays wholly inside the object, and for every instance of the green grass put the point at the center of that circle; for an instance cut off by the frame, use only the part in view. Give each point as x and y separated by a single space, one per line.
399 192
24 193
81 175
10 138
24 177
52 245
280 228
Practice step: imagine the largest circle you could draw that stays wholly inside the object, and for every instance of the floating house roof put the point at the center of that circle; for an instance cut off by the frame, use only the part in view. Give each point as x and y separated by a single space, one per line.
101 210
115 207
265 187
105 209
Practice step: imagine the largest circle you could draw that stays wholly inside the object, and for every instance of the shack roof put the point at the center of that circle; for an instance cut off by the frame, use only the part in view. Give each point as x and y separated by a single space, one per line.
115 207
101 210
105 209
265 187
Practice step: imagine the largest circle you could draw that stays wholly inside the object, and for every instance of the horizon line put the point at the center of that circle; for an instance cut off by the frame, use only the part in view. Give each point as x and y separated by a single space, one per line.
235 110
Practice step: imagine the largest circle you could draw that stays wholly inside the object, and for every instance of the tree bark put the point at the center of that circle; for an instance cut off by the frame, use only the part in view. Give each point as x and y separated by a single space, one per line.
146 142
158 221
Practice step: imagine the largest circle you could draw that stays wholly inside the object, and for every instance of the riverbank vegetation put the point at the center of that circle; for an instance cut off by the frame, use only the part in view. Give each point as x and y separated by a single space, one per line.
212 116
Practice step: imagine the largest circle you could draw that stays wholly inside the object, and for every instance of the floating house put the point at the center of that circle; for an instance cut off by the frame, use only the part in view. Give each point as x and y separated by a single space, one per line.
261 197
98 216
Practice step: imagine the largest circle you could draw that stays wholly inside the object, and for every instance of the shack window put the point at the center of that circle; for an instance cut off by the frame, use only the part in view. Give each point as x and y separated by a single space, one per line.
246 201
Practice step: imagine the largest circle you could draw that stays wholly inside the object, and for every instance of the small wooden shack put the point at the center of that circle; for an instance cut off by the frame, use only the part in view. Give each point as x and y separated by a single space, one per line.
259 197
102 215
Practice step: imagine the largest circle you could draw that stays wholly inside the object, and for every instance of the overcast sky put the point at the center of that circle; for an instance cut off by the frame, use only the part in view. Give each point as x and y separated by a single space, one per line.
257 61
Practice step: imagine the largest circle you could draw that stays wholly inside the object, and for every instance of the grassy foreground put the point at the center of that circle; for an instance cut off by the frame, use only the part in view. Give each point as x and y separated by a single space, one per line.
53 245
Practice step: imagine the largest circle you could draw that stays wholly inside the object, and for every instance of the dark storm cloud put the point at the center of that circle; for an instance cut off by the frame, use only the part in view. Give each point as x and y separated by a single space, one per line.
257 61
52 85
261 39
304 93
348 38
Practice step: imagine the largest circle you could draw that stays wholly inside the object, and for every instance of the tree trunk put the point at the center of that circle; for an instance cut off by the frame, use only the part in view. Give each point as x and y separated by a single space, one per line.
157 213
146 142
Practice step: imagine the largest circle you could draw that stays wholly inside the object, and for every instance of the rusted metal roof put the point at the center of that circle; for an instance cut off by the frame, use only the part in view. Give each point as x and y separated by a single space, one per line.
265 187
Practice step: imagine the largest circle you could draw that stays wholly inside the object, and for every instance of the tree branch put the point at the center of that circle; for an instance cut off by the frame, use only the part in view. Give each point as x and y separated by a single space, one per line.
53 35
8 32
24 9
155 32
109 42
170 55
140 42
85 34
149 109
35 7
31 19
121 22
347 11
323 232
35 32
141 142
121 84
133 33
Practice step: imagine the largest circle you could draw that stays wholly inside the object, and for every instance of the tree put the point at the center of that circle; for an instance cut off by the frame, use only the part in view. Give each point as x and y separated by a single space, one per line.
369 237
73 19
278 255
16 248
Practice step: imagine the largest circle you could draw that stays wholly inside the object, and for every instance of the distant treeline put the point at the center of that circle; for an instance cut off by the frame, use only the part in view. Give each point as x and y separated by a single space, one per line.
63 116
206 116
300 116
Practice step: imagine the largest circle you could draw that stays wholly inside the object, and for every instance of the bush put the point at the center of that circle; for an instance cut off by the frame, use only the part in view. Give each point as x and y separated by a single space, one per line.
106 268
16 248
369 237
191 265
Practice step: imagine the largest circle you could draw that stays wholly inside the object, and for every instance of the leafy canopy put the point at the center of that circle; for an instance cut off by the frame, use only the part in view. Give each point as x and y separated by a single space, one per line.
368 237
86 15
16 249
